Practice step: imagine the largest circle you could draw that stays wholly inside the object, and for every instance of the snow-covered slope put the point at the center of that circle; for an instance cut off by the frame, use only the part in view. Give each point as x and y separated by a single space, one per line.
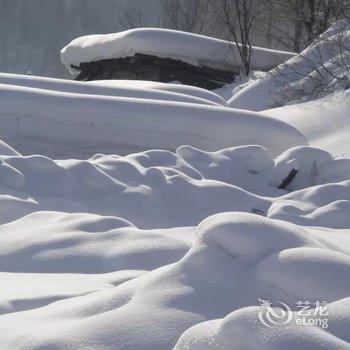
319 70
188 47
325 122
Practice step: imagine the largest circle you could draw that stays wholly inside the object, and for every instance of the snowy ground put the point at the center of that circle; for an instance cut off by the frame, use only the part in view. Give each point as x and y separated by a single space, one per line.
325 122
139 215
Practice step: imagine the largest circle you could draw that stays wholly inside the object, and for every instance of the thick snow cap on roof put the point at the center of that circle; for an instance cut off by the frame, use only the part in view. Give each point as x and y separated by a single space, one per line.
191 48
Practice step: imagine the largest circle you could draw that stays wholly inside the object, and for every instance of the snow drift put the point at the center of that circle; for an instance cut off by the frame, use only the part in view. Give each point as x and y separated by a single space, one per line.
173 92
57 123
144 260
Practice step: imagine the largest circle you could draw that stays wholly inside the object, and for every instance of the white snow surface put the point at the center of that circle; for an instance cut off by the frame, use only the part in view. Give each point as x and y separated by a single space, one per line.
131 252
325 121
137 215
171 87
64 119
188 47
319 70
119 88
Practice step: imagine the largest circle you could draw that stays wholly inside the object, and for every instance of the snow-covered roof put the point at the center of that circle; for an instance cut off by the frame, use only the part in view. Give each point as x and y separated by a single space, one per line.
191 48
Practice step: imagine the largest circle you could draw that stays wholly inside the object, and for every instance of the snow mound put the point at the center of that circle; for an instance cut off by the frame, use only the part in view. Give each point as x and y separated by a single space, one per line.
325 205
163 183
171 87
242 330
141 90
287 266
190 48
141 246
319 70
163 303
79 124
84 244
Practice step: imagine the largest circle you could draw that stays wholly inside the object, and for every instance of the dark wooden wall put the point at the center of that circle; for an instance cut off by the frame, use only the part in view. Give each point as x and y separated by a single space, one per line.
153 68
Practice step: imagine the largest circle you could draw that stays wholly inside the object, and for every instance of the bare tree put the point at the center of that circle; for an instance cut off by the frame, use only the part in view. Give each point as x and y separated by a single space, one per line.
133 17
187 15
238 18
297 23
321 69
316 15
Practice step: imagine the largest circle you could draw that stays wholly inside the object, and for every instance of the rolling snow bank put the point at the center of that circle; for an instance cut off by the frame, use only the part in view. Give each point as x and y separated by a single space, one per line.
172 87
148 188
187 47
119 88
160 250
44 116
319 70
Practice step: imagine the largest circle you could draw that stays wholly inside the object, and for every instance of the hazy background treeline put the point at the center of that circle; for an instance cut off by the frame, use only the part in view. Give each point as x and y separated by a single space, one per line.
32 32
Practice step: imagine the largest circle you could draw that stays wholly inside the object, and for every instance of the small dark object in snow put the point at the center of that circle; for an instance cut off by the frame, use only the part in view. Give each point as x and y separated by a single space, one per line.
154 68
288 179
